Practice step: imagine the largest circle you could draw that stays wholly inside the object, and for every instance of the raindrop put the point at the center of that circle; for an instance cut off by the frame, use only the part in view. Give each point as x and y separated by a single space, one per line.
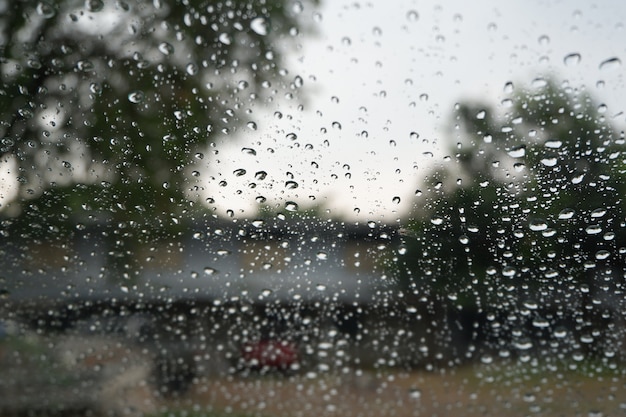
437 221
166 48
260 26
572 59
225 38
251 126
239 172
553 144
46 10
481 115
291 206
395 200
549 162
136 96
320 287
509 271
412 16
192 69
248 151
593 229
94 6
610 64
577 179
260 175
566 214
538 225
85 65
517 151
291 185
602 254
600 212
260 199
322 256
415 394
258 223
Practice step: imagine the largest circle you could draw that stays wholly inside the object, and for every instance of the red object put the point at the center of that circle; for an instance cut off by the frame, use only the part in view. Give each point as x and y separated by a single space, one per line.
274 354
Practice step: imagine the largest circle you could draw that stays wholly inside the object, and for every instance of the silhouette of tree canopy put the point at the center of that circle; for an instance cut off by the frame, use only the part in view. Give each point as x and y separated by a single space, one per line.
531 199
107 109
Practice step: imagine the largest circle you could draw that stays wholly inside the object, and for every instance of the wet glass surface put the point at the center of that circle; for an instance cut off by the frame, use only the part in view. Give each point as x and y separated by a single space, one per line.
293 208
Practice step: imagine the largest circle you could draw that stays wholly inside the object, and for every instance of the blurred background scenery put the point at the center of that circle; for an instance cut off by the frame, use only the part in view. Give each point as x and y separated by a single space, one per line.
298 208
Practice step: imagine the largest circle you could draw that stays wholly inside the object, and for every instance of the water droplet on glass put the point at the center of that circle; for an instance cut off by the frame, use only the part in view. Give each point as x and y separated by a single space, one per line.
94 5
412 16
251 126
290 185
602 254
248 151
610 64
192 69
322 256
85 65
225 38
572 59
291 206
136 96
481 115
415 394
517 151
599 212
260 175
166 48
549 162
593 229
260 26
538 225
509 271
46 10
577 179
553 144
436 221
395 200
239 172
566 214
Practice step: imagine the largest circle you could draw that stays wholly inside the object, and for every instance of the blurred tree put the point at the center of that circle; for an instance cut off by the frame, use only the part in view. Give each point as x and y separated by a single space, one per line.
529 205
107 108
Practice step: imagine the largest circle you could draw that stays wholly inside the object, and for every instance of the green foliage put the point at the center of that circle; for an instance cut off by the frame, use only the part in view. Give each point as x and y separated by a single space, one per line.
108 110
520 202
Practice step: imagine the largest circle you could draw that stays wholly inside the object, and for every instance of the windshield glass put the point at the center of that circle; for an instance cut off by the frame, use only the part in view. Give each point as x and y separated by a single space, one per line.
301 208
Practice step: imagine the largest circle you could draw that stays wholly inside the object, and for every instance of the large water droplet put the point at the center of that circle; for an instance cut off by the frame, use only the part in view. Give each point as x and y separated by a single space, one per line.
260 26
553 143
136 96
538 225
566 214
572 59
593 229
225 38
610 64
46 10
94 6
412 16
291 206
517 151
166 48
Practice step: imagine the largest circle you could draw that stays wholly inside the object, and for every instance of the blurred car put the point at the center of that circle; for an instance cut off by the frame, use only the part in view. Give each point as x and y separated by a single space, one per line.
269 355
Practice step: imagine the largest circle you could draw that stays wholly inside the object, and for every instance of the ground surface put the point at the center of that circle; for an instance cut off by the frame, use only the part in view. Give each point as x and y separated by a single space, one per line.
471 391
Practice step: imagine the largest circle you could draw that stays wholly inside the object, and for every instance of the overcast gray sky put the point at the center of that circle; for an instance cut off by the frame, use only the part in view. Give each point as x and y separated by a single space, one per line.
389 70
